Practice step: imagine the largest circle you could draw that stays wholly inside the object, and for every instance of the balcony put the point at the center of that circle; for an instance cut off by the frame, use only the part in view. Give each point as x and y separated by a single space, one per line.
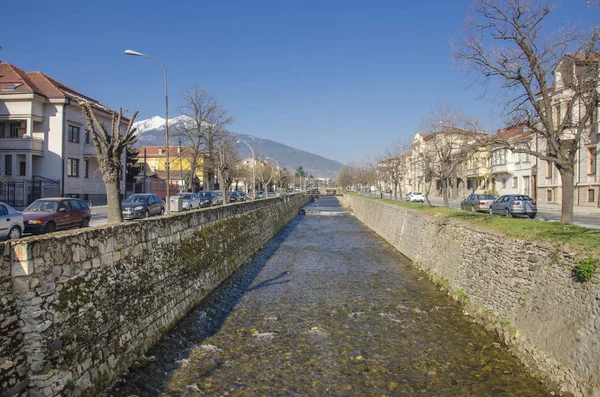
25 144
89 150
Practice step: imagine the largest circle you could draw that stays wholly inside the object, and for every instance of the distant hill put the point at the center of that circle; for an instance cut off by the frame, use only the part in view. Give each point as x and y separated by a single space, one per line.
151 132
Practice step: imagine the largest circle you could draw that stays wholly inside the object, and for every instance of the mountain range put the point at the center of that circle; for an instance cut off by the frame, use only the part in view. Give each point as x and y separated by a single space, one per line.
151 132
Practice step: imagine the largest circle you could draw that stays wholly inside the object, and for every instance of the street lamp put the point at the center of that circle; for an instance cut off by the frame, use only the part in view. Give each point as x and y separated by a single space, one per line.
253 164
168 164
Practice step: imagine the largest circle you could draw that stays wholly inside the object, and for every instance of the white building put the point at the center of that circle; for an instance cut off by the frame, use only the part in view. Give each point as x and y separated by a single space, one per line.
45 148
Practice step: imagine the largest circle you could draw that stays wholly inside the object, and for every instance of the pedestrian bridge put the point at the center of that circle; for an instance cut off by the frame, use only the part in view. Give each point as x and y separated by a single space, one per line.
327 308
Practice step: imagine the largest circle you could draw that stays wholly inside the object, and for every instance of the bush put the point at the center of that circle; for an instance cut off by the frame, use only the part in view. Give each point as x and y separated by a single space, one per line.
586 268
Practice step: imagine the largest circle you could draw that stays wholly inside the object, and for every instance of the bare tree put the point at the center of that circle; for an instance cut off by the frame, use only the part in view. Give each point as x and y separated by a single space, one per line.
110 146
523 59
226 165
447 145
203 127
393 167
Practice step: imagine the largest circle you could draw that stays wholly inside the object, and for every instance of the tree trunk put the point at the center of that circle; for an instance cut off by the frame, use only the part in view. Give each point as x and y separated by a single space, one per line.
113 196
568 193
445 192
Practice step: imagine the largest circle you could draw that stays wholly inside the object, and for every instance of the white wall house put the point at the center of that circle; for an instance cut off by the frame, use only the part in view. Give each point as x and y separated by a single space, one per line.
45 149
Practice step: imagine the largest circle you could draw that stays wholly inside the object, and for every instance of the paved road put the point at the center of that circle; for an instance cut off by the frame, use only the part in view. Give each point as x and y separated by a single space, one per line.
327 308
582 216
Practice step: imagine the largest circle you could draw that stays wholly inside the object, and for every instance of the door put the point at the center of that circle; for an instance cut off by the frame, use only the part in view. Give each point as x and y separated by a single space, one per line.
64 219
156 205
4 221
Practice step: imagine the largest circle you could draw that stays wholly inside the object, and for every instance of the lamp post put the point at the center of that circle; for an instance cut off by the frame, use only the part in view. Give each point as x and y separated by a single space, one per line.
168 164
253 165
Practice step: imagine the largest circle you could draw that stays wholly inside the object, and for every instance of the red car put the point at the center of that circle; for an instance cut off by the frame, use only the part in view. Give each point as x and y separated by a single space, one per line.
49 214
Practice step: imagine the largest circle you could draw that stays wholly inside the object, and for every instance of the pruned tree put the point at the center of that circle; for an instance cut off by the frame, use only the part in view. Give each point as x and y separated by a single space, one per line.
228 159
393 167
449 141
110 145
203 127
505 40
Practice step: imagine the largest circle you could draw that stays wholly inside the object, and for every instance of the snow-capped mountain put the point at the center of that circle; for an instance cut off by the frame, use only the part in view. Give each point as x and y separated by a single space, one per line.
151 132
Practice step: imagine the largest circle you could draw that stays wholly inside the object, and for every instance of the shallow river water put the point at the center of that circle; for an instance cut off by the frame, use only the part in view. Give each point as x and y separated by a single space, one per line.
327 308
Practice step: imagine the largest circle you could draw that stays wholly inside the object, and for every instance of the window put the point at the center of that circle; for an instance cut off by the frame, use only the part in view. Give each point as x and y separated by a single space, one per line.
514 182
73 134
557 114
73 167
77 205
591 195
549 169
2 131
592 156
87 137
503 183
3 210
548 195
8 164
86 168
14 130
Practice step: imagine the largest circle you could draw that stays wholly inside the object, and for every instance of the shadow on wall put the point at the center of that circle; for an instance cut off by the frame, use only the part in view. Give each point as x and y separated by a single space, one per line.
204 321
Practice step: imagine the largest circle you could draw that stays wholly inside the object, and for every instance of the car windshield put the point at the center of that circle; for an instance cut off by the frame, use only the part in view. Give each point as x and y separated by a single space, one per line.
136 198
42 206
485 197
185 196
218 192
204 195
418 193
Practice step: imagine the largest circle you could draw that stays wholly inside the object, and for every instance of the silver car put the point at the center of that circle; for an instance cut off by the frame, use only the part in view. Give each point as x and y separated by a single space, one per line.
11 222
191 201
511 205
477 202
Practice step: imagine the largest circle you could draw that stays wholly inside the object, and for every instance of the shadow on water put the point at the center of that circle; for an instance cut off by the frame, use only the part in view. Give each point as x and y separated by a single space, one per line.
200 323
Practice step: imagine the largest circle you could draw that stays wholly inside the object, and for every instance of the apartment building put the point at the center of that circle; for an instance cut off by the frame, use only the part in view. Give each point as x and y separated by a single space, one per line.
45 147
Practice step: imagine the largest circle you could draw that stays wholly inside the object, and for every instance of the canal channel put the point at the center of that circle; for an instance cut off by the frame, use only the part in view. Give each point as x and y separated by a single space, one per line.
328 308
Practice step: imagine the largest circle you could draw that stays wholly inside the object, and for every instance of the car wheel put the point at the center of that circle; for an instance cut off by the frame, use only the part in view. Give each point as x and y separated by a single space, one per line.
14 233
507 213
50 227
491 211
147 214
472 208
532 216
85 222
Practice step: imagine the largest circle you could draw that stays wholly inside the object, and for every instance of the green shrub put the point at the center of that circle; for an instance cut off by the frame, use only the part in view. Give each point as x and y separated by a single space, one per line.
586 268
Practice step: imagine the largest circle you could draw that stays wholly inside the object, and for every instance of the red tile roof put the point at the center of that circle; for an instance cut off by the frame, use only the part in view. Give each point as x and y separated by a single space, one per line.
152 151
41 84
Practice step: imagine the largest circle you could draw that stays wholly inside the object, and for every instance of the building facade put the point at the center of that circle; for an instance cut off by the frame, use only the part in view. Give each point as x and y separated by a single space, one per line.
45 148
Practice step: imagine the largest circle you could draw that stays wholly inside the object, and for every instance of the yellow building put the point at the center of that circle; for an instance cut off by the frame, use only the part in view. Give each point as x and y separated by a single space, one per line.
155 158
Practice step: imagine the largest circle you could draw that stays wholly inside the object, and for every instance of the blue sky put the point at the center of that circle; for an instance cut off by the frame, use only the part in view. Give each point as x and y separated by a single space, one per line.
339 78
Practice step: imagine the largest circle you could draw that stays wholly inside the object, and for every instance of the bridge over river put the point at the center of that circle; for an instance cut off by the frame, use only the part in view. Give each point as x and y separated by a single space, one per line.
328 308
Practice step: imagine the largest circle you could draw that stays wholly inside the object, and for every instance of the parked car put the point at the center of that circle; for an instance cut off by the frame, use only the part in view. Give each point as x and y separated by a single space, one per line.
514 205
477 202
49 214
237 196
11 222
142 205
207 199
190 201
219 195
415 197
260 194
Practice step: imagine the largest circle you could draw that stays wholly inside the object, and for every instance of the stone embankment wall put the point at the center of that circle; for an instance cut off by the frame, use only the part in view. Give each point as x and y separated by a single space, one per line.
82 306
524 290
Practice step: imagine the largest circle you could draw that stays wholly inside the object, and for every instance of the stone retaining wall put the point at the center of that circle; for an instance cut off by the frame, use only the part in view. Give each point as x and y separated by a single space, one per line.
82 306
548 318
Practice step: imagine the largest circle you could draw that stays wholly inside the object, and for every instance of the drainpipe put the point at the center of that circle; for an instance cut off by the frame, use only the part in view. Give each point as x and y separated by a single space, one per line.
62 154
